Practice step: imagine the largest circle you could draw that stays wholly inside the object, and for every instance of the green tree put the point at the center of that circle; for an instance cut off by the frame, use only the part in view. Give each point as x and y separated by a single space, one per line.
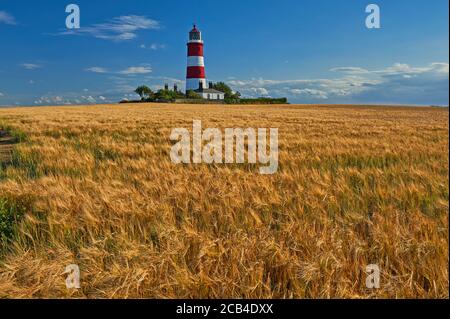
190 94
144 92
222 87
230 96
166 96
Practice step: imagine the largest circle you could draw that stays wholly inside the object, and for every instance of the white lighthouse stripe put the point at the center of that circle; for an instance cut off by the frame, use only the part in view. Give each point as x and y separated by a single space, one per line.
195 41
195 61
193 84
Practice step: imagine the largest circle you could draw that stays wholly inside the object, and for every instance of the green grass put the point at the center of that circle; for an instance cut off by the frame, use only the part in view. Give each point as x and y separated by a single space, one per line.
11 212
27 162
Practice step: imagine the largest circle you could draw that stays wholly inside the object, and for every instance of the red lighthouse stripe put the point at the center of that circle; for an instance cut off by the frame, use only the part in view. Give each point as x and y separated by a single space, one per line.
196 72
195 49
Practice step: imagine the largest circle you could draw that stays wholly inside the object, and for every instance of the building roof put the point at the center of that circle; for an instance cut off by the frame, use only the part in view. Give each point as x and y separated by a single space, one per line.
208 91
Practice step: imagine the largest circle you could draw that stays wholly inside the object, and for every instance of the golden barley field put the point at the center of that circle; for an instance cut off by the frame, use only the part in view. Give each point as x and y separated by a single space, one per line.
95 186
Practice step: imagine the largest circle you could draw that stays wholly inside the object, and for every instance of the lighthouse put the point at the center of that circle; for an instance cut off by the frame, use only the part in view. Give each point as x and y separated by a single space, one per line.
195 78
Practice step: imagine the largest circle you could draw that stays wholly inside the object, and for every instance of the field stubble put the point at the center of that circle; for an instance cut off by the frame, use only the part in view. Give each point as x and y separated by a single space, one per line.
355 186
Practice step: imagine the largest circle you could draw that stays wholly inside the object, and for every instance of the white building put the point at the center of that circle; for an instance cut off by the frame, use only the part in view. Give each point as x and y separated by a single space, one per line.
210 93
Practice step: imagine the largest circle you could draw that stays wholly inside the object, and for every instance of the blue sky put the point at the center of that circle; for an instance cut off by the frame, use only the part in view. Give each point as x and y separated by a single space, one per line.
311 51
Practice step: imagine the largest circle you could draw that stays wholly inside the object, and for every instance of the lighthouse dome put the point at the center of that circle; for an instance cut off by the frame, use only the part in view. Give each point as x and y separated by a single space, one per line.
195 30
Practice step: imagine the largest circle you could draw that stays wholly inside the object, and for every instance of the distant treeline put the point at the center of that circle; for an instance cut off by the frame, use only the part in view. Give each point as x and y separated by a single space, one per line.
202 101
263 100
167 95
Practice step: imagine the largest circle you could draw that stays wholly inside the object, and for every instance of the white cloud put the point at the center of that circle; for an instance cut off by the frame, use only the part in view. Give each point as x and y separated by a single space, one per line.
440 67
153 46
132 70
314 88
90 99
6 18
50 100
96 69
311 92
405 69
260 91
399 83
137 70
121 28
397 69
31 66
157 46
70 98
1 94
350 70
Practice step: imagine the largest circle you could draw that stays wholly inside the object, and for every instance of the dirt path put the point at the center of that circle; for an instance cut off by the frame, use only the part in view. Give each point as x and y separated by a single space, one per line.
6 146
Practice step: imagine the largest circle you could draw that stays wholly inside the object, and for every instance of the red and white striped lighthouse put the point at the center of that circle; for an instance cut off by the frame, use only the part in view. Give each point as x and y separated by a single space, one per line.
195 77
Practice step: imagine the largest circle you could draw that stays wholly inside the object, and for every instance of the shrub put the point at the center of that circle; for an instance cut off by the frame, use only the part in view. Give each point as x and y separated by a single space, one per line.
190 94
